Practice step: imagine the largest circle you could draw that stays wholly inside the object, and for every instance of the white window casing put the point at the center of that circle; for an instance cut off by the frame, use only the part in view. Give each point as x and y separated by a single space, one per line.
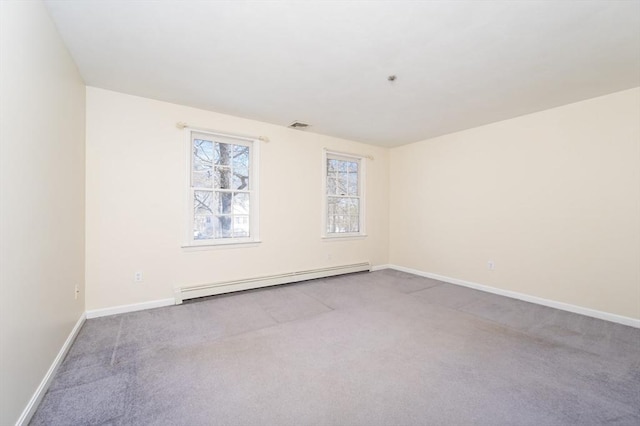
343 192
222 190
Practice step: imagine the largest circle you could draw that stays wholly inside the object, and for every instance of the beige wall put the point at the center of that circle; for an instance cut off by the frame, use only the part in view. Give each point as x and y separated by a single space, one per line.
553 198
42 112
135 203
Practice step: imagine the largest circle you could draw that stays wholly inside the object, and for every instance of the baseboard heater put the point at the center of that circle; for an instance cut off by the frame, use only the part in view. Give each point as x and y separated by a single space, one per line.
203 290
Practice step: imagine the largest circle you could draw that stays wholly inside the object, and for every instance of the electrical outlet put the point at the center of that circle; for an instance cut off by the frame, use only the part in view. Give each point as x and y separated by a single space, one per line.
77 291
491 265
137 277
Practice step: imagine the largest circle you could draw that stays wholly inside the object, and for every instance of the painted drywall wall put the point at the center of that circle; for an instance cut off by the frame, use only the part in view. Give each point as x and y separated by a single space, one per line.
136 180
552 198
42 127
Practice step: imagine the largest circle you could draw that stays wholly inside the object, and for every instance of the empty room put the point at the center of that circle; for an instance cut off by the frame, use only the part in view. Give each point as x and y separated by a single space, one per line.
349 213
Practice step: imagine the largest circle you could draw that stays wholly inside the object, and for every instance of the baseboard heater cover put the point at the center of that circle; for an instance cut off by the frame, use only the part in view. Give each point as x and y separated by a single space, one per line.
203 290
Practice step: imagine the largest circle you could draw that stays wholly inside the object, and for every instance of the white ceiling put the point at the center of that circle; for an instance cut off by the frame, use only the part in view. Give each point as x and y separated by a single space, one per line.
458 64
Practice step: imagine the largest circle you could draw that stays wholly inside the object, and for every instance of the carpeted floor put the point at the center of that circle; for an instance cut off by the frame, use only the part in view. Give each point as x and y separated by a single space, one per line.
381 348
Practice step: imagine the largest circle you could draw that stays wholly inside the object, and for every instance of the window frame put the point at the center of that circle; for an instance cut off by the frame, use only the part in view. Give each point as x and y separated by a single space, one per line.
254 156
337 155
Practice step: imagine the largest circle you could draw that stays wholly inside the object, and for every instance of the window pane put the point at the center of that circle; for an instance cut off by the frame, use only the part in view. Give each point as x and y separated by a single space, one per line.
353 167
337 223
203 202
240 164
331 183
335 227
332 165
223 227
331 205
354 224
342 206
223 202
342 183
202 179
352 184
201 164
338 205
341 223
241 226
203 227
353 206
342 166
239 181
222 154
222 177
330 224
240 203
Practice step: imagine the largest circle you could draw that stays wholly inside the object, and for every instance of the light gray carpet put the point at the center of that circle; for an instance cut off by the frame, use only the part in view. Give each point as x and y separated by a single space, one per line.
381 348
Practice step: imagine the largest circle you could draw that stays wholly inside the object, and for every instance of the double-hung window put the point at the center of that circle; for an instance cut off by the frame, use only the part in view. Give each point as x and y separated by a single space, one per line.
223 199
344 195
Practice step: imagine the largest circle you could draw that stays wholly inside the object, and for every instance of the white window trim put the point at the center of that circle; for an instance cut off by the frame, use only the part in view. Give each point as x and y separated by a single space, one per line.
326 236
254 213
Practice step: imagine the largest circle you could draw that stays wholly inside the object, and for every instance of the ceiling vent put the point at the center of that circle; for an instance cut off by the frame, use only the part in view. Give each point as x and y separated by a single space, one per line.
298 125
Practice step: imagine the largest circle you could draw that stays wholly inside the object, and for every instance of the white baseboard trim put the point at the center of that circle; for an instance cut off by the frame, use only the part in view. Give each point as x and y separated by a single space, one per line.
631 322
381 267
104 312
35 400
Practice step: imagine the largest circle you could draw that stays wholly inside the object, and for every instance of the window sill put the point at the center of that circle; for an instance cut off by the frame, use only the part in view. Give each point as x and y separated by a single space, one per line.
219 246
343 237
